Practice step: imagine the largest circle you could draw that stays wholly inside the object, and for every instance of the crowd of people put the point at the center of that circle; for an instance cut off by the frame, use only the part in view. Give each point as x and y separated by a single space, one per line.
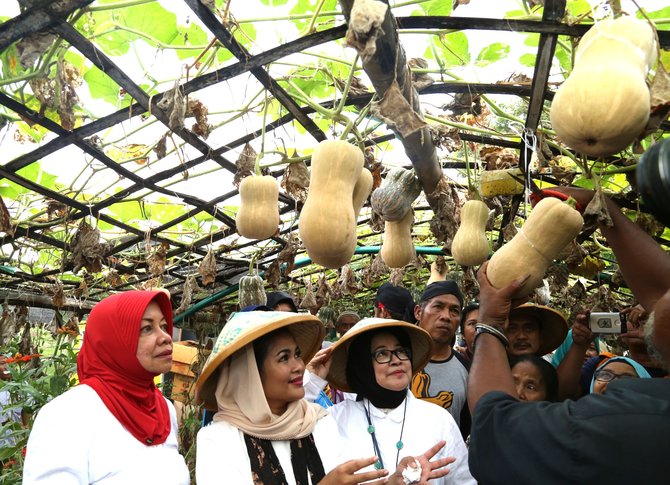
393 400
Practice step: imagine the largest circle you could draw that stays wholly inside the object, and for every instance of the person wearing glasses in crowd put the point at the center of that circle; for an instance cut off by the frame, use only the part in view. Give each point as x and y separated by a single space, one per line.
376 360
616 368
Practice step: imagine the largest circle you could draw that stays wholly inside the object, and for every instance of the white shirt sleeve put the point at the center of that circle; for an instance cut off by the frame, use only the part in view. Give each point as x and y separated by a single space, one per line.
313 385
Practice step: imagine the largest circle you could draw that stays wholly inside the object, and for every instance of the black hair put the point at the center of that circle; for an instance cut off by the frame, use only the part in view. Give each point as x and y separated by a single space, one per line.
473 305
547 371
262 345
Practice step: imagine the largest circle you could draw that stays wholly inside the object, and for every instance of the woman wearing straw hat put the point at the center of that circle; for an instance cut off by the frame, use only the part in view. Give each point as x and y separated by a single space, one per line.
376 359
264 432
115 426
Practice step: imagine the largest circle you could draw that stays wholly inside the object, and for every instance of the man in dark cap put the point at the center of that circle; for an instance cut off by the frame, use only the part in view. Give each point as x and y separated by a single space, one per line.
281 301
444 380
394 302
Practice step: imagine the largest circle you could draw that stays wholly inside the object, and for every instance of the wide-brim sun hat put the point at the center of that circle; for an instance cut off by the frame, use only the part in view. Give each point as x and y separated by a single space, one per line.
242 329
420 339
553 325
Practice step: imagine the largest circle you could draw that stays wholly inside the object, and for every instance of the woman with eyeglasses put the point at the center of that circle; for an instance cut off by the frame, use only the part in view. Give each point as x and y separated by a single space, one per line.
616 368
376 359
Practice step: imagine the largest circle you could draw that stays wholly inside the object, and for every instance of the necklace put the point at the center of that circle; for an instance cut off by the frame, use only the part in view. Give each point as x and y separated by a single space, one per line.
371 429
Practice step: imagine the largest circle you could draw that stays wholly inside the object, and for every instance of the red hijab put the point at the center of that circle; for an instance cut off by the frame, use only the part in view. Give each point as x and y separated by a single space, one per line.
108 363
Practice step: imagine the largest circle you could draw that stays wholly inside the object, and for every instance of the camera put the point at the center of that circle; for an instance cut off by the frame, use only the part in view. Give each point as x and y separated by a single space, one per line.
614 322
653 180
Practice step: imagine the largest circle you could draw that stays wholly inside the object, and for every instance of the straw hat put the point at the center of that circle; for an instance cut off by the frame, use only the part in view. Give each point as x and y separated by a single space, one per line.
245 327
421 348
553 325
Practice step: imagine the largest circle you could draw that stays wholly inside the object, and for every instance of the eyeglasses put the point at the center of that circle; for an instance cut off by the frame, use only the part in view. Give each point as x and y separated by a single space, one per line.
384 356
605 375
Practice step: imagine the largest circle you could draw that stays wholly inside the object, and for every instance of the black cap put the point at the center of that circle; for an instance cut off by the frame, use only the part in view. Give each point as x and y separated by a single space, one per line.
448 287
277 297
396 299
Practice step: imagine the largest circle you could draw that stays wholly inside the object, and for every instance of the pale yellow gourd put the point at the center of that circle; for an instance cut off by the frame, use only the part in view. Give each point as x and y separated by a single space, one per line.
327 223
362 190
436 274
605 104
470 246
398 248
258 215
551 225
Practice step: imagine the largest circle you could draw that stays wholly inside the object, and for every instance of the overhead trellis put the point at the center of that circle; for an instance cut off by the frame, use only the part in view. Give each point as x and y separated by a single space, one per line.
94 243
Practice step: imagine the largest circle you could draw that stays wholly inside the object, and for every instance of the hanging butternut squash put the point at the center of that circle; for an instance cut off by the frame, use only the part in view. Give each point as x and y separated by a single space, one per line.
398 248
605 102
258 215
470 246
327 222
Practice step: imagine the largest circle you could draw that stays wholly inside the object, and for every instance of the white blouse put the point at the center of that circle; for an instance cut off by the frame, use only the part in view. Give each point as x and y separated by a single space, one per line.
222 454
77 440
424 425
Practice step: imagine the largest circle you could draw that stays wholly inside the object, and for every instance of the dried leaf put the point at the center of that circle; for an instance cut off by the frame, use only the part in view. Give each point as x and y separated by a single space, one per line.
396 277
420 80
356 87
156 261
469 285
602 300
465 103
5 219
56 209
273 275
347 281
309 300
397 112
190 286
173 103
446 209
377 223
150 284
649 224
660 101
445 137
287 255
496 158
365 21
323 289
44 90
7 325
82 290
207 268
68 79
161 147
377 269
113 278
296 180
201 127
596 212
86 249
32 47
245 164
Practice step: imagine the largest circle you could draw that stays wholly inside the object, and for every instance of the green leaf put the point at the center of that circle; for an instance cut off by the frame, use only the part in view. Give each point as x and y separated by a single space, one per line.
663 13
577 8
308 7
532 40
528 60
452 49
437 7
11 66
34 173
150 18
272 3
492 53
245 35
193 36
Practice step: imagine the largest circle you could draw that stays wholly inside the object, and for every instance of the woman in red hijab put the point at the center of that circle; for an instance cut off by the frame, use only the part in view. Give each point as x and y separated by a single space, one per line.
115 426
